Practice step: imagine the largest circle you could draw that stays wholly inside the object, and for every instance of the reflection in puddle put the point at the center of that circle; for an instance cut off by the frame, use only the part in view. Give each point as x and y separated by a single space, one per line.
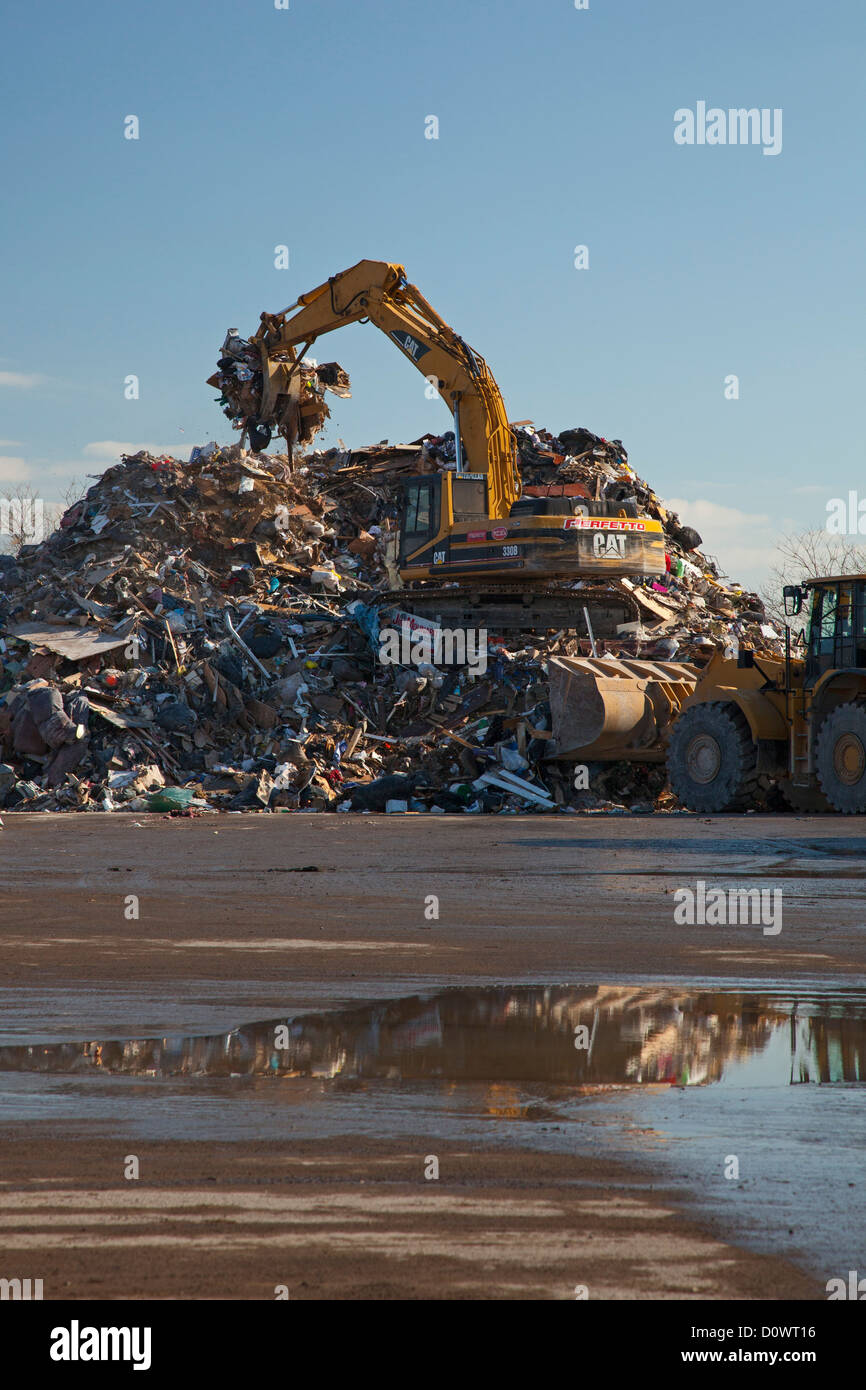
583 1036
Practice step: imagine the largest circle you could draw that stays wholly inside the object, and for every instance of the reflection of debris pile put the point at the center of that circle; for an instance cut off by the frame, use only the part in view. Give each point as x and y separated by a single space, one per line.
586 1037
201 634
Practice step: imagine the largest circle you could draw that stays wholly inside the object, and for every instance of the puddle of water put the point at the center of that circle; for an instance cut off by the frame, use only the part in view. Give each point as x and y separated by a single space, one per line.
681 1078
574 1036
800 1152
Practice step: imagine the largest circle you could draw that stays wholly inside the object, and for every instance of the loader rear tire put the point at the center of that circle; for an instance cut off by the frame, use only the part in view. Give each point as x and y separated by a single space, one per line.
712 759
840 759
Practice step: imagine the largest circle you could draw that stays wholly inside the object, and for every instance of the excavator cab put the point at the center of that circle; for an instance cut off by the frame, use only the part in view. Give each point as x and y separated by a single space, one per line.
419 514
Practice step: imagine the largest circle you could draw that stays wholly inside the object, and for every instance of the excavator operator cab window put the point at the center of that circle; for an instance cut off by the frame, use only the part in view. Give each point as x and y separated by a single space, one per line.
419 518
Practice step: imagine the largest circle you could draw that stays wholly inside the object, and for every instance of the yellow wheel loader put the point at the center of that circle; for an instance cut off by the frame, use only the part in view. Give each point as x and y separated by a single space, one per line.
742 722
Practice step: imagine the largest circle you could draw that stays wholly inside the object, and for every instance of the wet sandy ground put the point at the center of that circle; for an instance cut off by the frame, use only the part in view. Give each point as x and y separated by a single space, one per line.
341 1220
245 918
285 902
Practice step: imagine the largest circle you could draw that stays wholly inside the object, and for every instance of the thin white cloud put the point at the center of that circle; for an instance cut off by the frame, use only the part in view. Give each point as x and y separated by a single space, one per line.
111 449
13 470
701 510
741 542
107 449
23 381
9 443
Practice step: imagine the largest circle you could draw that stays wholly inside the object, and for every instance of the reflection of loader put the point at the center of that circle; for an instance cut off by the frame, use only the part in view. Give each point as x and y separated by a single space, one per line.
742 722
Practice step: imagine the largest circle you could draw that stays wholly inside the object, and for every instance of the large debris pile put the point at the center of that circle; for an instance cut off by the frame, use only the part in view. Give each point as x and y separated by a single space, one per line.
196 635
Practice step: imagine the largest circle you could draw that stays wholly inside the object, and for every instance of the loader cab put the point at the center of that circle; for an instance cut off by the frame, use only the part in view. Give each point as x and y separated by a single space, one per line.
837 625
420 510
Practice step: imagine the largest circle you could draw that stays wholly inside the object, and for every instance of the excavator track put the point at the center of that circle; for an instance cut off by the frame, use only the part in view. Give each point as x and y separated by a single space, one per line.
513 607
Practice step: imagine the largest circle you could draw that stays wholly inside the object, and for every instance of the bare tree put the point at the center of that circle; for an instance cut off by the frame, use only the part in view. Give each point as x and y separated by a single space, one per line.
73 492
25 518
809 555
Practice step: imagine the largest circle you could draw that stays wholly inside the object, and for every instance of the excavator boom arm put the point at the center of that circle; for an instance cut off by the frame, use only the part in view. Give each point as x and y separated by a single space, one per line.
379 291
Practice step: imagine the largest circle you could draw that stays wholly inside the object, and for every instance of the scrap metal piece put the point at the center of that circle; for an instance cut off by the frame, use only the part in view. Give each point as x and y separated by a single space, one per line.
75 643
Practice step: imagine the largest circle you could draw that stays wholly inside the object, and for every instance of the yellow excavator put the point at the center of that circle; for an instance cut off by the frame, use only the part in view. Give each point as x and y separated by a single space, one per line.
472 548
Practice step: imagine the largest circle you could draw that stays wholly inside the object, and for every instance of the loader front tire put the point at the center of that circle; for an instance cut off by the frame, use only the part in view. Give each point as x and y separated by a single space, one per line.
840 759
712 759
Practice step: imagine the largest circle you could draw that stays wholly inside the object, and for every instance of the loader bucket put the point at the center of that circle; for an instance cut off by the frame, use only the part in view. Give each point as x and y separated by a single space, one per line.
606 709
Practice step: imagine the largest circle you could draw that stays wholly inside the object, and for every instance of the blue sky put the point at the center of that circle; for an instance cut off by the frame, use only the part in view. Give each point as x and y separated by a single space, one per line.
305 127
